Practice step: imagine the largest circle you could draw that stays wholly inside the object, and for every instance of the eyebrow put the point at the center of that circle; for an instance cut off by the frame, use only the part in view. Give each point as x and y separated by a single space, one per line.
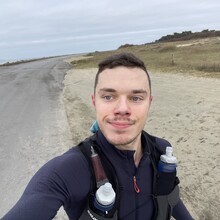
139 91
107 90
135 91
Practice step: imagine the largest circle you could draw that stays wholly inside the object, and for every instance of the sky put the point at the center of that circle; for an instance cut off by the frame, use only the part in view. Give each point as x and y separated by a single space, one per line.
41 28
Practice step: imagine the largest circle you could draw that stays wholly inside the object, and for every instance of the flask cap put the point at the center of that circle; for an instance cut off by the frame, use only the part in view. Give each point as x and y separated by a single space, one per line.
168 157
105 194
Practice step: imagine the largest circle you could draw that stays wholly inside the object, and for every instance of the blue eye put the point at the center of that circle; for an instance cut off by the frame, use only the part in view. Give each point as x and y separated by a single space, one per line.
136 98
107 97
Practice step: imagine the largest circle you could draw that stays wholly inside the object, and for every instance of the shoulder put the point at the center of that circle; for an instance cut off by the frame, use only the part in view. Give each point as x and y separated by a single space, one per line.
70 165
72 159
69 172
160 143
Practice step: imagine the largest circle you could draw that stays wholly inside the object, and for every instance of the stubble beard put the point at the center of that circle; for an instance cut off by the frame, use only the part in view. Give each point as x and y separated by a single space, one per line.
127 144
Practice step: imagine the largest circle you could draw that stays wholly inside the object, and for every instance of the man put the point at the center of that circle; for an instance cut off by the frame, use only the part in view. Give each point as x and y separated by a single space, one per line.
122 98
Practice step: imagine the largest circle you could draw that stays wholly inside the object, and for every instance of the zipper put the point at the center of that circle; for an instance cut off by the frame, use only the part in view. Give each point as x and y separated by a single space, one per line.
136 188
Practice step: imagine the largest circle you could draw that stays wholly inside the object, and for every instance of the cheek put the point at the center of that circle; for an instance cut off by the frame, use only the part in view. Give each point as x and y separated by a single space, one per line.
102 109
143 112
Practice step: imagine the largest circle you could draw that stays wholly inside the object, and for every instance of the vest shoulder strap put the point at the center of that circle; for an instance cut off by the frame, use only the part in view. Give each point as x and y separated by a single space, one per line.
106 168
85 148
165 185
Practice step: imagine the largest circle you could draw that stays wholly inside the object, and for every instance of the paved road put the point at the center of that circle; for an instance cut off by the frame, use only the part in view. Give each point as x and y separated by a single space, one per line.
33 124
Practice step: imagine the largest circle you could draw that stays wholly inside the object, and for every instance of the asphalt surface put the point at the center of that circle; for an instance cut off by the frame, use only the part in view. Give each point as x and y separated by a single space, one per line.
33 124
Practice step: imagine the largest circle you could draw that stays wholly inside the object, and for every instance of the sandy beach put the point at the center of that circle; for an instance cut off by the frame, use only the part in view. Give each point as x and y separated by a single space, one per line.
186 111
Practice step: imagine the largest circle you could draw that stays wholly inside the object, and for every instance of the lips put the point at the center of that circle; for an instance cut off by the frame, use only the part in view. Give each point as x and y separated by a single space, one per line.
120 124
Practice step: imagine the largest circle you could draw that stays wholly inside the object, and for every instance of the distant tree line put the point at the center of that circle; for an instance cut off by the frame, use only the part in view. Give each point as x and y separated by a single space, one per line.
185 35
189 35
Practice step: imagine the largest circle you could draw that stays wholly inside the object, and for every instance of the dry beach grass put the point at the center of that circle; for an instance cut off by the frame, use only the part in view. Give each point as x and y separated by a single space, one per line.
198 57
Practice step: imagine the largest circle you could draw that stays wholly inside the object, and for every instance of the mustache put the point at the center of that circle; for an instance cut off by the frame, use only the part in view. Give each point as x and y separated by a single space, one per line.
121 119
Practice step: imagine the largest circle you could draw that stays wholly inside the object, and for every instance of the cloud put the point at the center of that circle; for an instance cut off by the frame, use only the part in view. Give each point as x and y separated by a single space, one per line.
29 24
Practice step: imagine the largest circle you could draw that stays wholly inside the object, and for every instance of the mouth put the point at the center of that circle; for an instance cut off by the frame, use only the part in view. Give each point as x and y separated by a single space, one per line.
120 124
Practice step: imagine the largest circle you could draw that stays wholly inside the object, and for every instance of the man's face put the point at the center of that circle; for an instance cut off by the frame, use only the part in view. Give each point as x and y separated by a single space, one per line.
122 100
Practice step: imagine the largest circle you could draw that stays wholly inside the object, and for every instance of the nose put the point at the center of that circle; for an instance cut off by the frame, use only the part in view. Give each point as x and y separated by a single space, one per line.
122 107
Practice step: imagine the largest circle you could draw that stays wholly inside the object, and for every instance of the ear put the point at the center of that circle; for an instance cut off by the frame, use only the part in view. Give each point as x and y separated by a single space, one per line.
150 100
93 99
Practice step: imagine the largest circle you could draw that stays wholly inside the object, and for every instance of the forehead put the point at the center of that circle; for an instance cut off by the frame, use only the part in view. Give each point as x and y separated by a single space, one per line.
123 78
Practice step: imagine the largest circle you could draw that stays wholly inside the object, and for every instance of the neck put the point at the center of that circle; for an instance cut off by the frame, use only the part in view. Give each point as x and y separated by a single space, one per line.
138 155
136 146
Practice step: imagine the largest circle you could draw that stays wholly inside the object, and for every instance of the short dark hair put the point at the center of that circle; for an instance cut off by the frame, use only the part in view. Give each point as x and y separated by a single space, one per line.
122 59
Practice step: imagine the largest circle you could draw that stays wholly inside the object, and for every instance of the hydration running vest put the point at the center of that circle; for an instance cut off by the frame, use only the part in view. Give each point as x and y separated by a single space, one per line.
165 185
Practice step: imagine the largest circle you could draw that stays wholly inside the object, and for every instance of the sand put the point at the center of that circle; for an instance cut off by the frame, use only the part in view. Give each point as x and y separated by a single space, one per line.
186 111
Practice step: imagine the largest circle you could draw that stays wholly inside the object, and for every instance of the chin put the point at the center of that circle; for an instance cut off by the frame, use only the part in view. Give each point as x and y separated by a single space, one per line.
114 137
119 140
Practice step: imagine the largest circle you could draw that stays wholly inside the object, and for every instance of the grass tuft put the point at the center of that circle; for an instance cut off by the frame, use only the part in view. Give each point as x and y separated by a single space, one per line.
209 67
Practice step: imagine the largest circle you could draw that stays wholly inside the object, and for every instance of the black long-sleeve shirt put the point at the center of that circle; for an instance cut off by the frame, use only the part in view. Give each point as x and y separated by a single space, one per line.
65 181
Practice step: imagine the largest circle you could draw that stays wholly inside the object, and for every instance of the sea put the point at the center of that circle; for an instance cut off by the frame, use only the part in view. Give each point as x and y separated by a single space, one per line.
2 61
